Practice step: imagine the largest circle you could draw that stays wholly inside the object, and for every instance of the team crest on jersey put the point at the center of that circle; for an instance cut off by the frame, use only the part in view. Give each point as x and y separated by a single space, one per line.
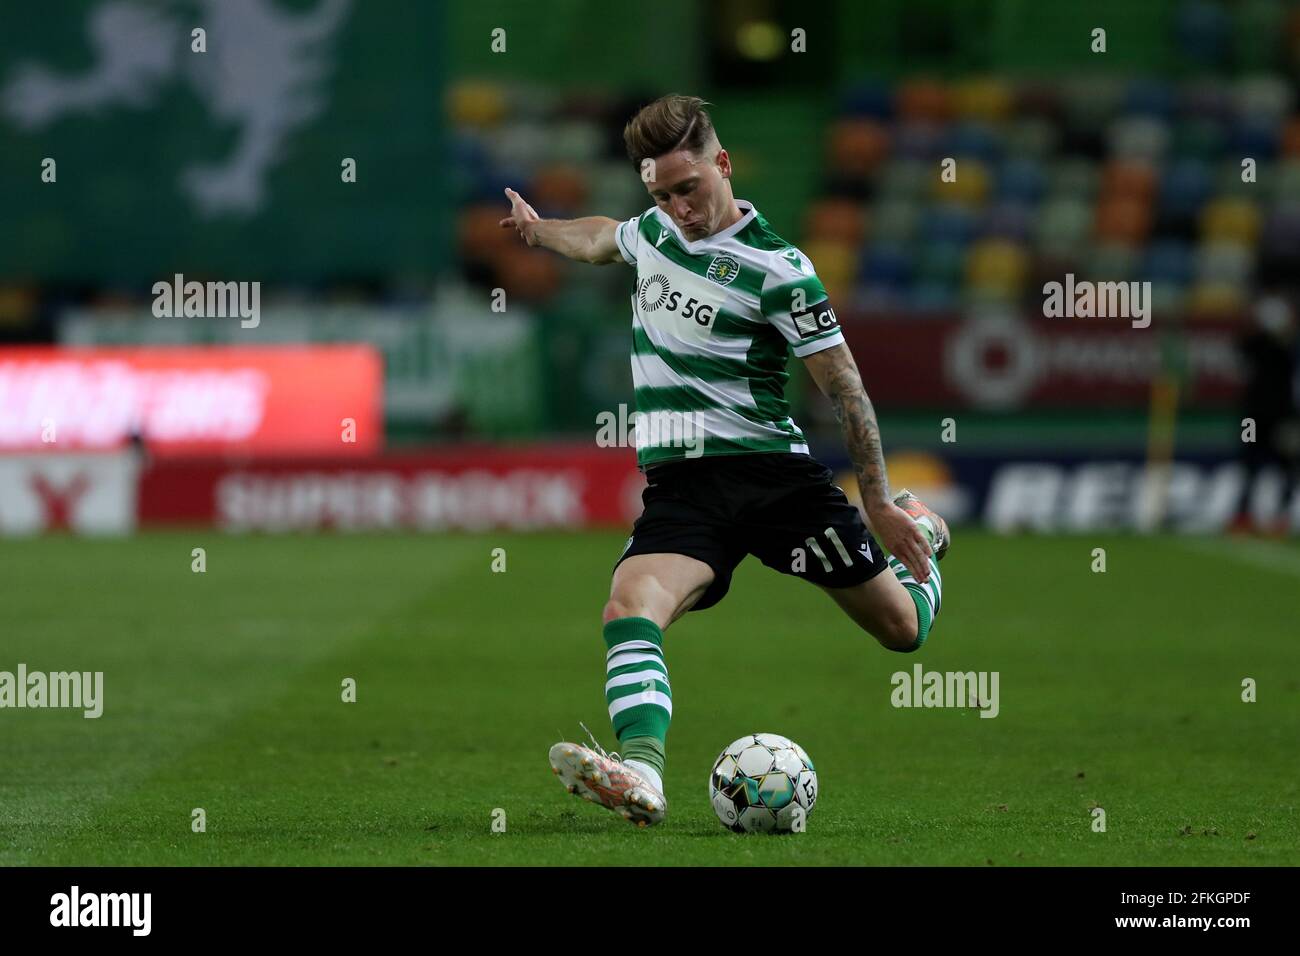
723 269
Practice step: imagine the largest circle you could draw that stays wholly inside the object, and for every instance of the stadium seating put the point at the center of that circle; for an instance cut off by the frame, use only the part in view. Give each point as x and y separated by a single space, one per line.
1120 178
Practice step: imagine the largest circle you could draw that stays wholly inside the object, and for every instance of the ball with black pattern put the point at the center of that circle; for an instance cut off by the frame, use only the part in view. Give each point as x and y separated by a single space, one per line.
761 783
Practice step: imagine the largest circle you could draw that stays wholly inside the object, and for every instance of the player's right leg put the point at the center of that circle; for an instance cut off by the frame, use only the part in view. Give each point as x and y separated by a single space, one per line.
657 587
649 592
680 557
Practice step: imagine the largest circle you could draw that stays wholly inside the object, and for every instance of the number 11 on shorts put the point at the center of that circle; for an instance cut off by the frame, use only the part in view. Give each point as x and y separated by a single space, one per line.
834 539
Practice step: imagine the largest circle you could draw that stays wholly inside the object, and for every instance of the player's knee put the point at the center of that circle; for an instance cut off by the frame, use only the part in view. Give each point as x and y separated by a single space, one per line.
911 643
898 633
615 609
642 596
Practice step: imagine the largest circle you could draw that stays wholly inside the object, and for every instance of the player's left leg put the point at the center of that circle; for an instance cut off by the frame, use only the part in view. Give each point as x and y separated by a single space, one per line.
810 530
884 609
897 609
927 598
894 608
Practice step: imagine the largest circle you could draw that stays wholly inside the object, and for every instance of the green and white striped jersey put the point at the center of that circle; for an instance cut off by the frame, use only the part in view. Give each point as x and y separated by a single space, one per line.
713 322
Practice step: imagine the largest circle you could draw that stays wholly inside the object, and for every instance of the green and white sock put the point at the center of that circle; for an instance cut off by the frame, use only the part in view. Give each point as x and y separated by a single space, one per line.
927 597
638 694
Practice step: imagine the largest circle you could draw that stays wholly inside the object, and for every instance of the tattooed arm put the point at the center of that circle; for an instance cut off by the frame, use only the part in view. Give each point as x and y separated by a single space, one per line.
836 374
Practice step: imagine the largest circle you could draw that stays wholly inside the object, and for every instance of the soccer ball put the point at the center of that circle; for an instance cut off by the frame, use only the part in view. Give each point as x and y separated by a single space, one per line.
762 783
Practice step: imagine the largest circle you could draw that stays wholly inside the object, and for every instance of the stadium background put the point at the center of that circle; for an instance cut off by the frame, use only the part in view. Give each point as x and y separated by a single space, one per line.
474 428
1115 166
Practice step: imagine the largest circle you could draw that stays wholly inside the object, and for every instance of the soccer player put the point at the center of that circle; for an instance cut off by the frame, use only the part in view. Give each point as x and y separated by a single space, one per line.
720 301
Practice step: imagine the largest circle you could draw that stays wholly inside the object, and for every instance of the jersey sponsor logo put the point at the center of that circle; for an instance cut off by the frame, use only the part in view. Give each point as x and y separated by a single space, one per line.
792 254
815 320
664 234
723 270
654 293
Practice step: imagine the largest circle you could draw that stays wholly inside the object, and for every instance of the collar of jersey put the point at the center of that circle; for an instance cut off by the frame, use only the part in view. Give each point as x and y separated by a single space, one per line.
748 212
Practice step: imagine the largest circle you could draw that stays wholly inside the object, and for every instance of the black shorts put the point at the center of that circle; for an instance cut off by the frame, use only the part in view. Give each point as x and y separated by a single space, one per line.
782 508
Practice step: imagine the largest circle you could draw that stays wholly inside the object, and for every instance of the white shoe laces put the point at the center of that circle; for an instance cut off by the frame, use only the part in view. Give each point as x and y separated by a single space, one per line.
597 747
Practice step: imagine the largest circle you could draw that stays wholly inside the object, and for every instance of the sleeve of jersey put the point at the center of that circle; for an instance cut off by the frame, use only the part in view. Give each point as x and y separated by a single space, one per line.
626 235
794 300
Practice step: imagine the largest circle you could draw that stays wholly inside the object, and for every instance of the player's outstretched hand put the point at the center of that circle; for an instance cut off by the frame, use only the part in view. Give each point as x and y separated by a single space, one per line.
899 533
522 216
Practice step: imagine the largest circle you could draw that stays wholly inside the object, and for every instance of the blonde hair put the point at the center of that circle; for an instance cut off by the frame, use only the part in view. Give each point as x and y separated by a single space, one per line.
668 124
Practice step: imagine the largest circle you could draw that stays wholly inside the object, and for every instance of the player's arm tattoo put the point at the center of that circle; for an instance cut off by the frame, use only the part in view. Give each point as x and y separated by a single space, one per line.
837 376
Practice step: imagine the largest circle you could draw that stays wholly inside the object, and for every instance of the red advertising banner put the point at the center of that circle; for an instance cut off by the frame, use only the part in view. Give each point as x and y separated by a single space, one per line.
242 401
573 487
1010 363
467 488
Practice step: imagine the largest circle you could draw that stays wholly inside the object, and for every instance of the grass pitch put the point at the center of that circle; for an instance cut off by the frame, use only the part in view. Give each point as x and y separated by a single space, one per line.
223 692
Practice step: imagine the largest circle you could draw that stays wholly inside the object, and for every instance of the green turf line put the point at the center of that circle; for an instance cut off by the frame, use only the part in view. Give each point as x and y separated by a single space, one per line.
1120 690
